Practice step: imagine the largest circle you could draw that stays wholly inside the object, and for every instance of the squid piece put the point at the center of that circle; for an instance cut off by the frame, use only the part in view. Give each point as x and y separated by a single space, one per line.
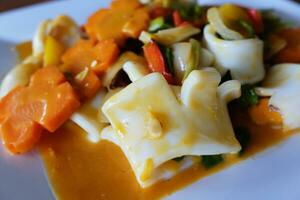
153 129
282 85
62 28
243 58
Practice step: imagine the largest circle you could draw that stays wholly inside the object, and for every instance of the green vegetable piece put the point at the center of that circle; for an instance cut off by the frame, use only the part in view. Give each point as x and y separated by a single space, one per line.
158 24
248 97
198 11
168 57
188 10
194 59
242 134
248 27
178 159
211 160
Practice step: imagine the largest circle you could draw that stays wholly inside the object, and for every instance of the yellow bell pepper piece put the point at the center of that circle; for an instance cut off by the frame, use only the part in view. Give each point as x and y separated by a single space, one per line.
231 13
53 52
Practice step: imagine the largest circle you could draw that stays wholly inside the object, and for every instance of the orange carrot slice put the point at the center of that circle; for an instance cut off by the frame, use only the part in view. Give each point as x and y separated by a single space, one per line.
19 134
88 85
9 103
263 114
98 57
48 105
47 75
125 18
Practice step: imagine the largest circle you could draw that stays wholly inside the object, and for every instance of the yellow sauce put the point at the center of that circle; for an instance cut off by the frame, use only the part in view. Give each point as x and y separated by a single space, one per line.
79 169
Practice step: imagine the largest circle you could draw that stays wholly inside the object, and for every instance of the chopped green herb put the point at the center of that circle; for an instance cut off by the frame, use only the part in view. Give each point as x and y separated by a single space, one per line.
249 97
242 134
168 57
211 160
194 59
248 27
178 159
158 24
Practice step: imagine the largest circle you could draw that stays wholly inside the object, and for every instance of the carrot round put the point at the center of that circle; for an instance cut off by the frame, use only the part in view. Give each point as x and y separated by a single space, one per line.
46 103
99 57
19 134
47 75
88 85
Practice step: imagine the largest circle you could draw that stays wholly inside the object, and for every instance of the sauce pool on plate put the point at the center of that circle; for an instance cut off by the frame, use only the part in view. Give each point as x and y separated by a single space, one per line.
79 169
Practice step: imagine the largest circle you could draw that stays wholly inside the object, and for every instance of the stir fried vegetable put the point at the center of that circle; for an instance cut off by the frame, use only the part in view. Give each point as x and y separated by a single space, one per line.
249 97
263 113
53 52
256 20
34 109
188 10
66 66
248 27
193 62
158 24
156 62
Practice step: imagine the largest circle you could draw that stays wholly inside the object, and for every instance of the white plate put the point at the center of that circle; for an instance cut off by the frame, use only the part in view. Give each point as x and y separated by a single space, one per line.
273 174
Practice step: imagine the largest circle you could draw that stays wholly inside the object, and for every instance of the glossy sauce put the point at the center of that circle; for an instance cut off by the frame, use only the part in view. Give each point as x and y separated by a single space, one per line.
78 169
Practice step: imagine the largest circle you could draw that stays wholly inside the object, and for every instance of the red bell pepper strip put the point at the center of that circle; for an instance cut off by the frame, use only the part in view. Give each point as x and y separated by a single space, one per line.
156 61
177 18
256 19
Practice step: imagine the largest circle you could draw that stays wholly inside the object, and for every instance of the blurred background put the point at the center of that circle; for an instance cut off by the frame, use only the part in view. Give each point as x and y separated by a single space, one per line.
11 4
6 5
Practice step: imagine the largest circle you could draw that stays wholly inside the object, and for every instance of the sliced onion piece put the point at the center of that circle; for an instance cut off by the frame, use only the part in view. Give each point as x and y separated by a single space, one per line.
20 74
182 53
217 23
177 34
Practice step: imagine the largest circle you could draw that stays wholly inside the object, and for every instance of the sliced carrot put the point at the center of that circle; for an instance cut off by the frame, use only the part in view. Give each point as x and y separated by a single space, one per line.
88 86
291 52
125 18
106 53
262 113
85 54
58 105
19 134
105 24
128 5
138 22
48 105
9 103
79 56
47 75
